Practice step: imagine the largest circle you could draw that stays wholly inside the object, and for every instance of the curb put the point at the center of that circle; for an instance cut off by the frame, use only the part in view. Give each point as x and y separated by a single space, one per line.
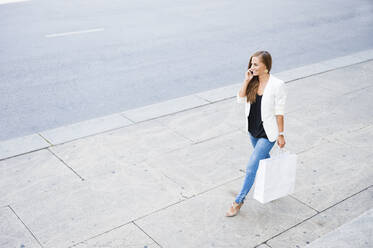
34 142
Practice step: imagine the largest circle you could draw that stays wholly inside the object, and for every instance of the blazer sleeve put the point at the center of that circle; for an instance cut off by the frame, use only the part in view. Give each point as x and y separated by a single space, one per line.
280 99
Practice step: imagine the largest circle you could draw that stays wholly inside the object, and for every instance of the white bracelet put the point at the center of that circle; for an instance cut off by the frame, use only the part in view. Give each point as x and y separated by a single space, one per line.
282 133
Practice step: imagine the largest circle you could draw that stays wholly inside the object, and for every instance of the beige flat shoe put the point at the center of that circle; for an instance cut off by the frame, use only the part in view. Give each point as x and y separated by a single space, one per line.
234 209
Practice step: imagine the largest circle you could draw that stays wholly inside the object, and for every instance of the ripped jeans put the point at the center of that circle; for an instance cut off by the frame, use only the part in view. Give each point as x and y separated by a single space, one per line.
262 147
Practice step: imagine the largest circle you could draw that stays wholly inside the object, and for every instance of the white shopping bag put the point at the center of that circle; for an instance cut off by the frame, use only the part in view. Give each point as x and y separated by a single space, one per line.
275 177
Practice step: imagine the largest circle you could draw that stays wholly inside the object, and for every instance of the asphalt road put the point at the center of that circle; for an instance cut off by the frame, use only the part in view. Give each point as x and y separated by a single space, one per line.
66 61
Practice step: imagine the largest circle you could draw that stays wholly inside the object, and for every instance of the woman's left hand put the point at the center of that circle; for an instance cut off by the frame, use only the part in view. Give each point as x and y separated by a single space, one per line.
281 141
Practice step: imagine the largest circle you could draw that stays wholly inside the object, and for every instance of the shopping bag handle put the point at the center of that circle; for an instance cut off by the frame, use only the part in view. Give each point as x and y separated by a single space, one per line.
280 151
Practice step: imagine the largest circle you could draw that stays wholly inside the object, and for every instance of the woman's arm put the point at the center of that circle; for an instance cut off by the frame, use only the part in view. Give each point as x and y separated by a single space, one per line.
280 124
242 92
248 77
280 100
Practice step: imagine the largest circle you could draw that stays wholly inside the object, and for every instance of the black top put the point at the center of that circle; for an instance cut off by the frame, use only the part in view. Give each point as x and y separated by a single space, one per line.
256 128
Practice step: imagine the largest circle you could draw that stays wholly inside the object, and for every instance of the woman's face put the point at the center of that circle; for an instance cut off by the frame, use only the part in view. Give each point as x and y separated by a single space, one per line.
257 67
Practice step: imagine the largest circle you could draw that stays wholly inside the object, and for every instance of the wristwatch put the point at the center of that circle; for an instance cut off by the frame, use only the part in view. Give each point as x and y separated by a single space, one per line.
281 133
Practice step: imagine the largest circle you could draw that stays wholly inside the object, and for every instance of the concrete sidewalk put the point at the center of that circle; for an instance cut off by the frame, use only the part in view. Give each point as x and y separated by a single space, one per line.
164 175
356 233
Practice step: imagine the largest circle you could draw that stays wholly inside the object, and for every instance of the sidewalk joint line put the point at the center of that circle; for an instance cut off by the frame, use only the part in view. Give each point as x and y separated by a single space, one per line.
172 180
223 99
267 245
218 100
14 212
81 178
360 128
215 137
164 115
158 210
100 234
318 73
94 134
18 155
182 200
317 211
264 243
202 98
147 234
177 133
356 90
321 211
217 186
126 118
50 143
309 148
337 140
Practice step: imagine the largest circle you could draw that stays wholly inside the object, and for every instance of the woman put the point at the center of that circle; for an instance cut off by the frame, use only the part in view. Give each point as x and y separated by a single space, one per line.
265 97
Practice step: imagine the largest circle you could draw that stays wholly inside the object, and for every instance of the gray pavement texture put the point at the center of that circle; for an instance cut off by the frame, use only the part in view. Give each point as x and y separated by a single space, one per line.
356 233
153 51
168 180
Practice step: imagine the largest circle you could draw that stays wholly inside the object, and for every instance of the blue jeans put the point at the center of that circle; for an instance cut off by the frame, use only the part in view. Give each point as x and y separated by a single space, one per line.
262 147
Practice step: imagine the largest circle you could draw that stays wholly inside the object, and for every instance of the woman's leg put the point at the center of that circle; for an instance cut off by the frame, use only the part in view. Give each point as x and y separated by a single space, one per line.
261 151
253 140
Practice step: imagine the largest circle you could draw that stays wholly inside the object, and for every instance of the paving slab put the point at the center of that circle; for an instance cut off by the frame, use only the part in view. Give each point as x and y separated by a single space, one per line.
357 233
310 119
324 222
360 138
302 93
343 61
331 116
62 210
364 55
23 174
348 79
221 93
128 236
205 165
200 221
106 153
299 137
234 113
12 232
304 71
13 147
206 122
330 172
78 213
84 128
164 108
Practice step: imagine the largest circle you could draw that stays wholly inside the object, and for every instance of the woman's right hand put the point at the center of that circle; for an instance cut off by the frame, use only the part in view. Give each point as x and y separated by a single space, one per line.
248 75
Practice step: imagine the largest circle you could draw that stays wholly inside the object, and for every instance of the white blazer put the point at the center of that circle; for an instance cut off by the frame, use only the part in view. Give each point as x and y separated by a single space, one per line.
273 103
